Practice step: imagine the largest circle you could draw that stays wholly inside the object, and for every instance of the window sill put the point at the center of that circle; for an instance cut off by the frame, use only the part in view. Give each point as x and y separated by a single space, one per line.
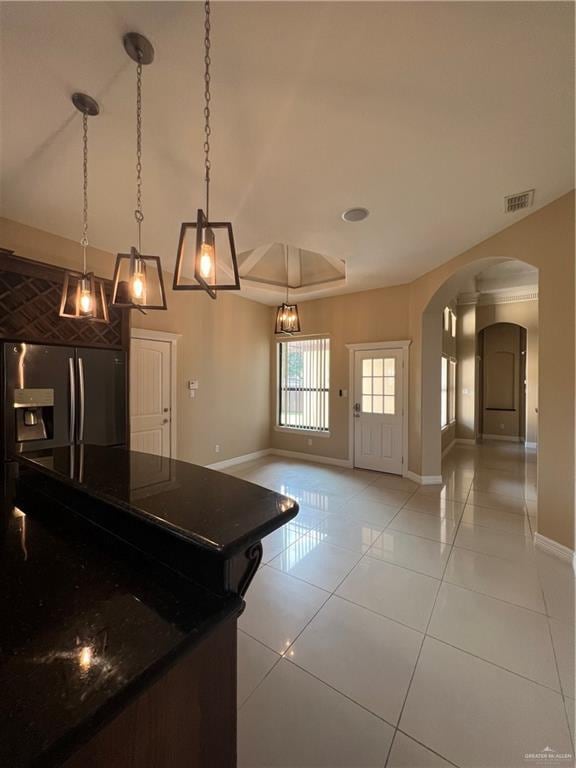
296 431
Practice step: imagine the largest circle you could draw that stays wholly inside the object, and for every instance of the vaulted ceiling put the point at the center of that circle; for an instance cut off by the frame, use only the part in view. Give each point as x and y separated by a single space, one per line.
428 114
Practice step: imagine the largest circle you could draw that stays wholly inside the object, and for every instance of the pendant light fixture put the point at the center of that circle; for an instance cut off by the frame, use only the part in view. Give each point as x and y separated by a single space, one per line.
138 282
206 257
83 294
287 319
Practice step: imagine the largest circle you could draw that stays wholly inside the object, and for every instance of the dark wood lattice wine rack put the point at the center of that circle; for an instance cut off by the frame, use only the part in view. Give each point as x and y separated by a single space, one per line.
30 293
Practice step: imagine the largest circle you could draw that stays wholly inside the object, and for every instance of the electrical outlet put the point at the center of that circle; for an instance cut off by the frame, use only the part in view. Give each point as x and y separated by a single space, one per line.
217 448
309 441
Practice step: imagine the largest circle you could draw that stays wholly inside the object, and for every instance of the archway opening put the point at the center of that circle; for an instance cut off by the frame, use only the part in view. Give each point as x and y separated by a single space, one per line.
482 294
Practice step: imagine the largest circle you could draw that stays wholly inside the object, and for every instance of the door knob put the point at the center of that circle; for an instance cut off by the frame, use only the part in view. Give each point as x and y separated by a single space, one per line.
357 407
165 421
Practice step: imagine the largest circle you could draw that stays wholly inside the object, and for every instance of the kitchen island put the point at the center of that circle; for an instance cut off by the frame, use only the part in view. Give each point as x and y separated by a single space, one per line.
123 577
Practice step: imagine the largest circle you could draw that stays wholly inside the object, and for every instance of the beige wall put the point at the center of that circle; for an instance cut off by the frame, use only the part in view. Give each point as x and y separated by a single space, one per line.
225 345
466 400
525 314
379 315
31 243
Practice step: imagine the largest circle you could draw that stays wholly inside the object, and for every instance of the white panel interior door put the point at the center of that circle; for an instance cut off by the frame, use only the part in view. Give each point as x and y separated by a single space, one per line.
150 407
378 410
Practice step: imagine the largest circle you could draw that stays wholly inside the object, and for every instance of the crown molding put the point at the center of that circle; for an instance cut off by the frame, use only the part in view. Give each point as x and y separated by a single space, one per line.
507 297
468 299
500 297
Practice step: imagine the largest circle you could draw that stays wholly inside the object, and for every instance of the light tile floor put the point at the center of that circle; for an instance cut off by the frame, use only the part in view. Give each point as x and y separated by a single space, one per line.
399 626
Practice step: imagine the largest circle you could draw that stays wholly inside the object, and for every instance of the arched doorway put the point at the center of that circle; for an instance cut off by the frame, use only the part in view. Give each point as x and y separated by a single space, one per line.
508 381
473 313
544 240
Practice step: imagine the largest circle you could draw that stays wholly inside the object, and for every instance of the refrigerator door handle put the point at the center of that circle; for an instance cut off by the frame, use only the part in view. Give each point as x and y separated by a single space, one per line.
82 399
72 383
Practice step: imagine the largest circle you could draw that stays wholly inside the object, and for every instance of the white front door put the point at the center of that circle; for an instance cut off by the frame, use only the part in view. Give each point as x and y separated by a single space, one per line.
150 407
378 410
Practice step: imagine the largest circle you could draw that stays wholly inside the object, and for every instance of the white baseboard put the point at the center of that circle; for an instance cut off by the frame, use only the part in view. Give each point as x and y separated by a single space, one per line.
530 445
311 457
448 448
554 548
508 438
466 440
240 459
279 452
423 479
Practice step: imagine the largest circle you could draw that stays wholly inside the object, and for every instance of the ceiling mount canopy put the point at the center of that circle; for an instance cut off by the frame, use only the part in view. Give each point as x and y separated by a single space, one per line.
83 294
206 258
139 48
138 281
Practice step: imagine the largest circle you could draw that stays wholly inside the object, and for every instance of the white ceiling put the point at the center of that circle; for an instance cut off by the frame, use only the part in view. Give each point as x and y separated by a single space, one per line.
425 113
507 276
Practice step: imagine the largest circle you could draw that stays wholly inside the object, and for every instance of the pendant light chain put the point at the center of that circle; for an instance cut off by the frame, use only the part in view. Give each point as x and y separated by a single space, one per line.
207 97
287 280
138 215
206 258
84 240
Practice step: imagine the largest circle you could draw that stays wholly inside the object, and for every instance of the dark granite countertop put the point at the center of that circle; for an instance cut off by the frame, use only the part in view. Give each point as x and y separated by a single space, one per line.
86 622
112 563
215 511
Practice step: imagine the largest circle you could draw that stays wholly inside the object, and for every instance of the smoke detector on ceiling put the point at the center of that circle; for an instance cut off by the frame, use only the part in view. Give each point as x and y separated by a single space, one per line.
356 214
517 202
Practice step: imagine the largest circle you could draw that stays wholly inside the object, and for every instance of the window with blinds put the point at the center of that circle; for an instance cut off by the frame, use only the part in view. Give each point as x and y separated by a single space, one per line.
447 392
444 393
303 384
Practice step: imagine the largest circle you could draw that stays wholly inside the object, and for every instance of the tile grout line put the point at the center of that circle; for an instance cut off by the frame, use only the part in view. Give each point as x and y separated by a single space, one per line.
548 617
425 633
399 730
332 593
365 554
438 578
283 656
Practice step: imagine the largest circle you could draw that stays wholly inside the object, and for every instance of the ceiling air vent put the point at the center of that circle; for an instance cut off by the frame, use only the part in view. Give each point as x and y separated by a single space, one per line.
513 203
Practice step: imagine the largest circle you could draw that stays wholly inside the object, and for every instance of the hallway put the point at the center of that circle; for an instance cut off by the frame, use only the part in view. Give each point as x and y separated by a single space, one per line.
402 625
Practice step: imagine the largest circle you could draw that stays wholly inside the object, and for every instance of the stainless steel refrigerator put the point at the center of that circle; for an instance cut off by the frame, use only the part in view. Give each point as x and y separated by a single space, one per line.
58 396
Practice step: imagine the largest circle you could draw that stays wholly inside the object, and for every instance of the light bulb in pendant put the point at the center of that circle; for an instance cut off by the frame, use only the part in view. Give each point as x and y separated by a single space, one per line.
206 260
138 283
207 257
85 658
86 299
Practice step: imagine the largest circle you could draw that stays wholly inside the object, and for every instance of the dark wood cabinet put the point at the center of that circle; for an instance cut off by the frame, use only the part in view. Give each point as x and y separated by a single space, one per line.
186 719
30 293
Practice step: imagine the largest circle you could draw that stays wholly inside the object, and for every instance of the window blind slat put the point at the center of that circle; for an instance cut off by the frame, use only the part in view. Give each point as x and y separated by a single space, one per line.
303 384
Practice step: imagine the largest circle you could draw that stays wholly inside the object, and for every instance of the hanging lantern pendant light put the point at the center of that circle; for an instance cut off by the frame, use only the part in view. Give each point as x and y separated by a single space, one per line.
287 318
206 257
83 295
138 281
